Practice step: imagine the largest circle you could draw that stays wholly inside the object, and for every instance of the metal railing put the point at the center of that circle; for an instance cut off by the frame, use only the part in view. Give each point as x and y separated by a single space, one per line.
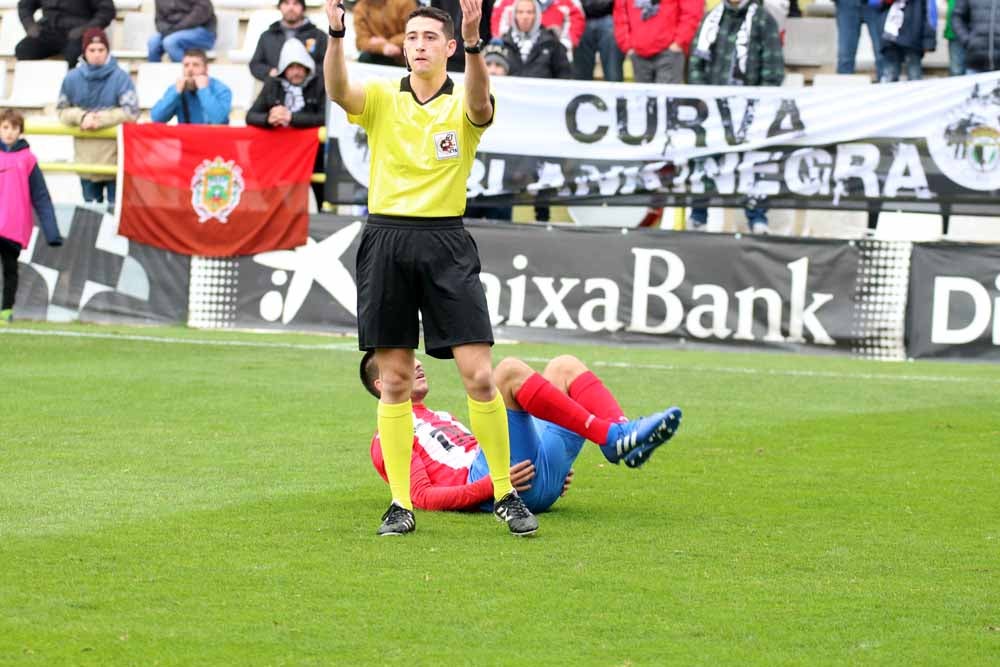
32 127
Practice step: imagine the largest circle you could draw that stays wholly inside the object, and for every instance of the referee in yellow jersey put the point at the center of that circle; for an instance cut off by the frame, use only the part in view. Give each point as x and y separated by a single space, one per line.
415 255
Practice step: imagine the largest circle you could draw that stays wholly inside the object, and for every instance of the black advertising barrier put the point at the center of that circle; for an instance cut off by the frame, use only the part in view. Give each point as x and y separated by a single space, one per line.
954 309
99 276
923 146
564 283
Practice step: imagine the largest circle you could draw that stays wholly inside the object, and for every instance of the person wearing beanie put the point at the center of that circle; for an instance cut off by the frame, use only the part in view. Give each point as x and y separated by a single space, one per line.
719 57
294 98
60 28
95 95
293 24
497 58
181 25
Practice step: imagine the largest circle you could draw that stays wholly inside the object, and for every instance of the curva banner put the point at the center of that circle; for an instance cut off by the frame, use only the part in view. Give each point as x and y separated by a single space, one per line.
955 301
928 146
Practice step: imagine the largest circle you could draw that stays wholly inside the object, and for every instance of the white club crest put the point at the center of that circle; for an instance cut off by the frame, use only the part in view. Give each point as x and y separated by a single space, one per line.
216 188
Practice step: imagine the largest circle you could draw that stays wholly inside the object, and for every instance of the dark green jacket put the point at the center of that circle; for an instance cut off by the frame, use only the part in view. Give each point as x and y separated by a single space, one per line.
765 60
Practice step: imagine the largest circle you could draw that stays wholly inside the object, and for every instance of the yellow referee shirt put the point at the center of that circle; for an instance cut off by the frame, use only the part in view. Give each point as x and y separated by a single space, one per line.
421 154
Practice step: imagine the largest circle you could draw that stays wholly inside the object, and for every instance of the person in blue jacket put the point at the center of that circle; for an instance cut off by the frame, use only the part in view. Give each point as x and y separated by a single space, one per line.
196 97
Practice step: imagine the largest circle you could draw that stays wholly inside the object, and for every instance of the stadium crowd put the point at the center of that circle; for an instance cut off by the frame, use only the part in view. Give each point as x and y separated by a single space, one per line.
661 41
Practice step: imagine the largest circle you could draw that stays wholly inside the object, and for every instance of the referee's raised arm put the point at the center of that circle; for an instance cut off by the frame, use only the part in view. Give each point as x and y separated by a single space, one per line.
478 106
349 96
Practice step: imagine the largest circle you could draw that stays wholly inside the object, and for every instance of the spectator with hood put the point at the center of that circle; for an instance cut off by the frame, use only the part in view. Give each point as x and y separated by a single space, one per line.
294 98
293 24
95 95
564 17
182 25
656 36
535 51
60 29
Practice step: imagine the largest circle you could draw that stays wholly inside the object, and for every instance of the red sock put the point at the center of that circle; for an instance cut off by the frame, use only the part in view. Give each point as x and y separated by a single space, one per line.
541 399
590 392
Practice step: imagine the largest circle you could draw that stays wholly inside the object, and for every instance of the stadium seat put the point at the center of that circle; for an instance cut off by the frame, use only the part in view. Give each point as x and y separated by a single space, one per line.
239 80
901 226
243 4
227 33
8 4
153 79
820 8
51 148
973 228
258 22
64 187
810 41
3 79
36 83
126 5
11 32
794 80
137 28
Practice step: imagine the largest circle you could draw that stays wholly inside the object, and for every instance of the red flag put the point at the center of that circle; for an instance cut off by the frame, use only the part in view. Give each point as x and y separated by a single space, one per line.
215 191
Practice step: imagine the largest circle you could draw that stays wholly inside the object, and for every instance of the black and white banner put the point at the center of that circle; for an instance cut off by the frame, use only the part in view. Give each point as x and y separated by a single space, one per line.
955 301
99 276
927 146
640 287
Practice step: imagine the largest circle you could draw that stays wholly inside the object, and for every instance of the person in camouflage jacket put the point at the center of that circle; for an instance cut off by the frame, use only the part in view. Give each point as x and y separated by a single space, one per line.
737 44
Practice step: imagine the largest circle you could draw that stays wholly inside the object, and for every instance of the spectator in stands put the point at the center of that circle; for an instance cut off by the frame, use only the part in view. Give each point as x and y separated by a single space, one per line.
564 17
910 31
534 51
22 187
294 98
95 95
850 16
656 35
196 97
379 26
737 44
61 27
977 26
956 50
182 25
456 61
598 37
293 23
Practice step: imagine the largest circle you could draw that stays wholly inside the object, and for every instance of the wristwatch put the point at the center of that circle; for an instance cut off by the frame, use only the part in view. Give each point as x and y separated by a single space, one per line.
477 47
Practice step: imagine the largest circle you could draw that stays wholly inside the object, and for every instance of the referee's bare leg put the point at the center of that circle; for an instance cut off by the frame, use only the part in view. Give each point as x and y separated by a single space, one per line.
488 420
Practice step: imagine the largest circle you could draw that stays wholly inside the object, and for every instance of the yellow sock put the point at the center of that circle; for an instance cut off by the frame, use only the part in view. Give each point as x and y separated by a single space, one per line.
489 424
395 430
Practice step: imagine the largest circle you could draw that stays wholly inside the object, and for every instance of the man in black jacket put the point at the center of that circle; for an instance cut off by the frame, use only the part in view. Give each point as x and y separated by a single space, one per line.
294 98
598 37
976 24
293 23
61 27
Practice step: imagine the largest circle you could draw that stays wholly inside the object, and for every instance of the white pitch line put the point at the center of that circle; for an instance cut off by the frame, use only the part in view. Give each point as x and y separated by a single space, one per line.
184 341
351 347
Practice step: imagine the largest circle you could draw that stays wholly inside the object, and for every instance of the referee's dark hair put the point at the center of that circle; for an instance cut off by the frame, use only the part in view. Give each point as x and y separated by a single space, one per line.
368 370
447 25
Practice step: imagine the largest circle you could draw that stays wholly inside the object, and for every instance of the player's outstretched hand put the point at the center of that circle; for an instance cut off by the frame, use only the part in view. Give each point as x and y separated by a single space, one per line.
472 12
335 14
521 475
567 482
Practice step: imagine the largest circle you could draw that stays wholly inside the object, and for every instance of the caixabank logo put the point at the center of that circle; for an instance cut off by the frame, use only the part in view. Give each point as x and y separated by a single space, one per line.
966 147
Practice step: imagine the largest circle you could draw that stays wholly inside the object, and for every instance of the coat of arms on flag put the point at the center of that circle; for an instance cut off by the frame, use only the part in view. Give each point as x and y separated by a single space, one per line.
215 189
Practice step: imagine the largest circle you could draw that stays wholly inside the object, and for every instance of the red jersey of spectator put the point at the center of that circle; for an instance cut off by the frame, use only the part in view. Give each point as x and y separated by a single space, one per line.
443 452
566 17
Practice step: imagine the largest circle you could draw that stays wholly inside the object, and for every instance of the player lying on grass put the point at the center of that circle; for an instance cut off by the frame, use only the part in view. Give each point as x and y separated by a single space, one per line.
549 414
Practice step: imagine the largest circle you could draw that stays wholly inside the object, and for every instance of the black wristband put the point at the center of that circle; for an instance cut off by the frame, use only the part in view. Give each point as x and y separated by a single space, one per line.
339 34
475 48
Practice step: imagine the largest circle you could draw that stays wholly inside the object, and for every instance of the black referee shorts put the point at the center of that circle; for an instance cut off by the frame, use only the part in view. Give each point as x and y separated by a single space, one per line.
407 266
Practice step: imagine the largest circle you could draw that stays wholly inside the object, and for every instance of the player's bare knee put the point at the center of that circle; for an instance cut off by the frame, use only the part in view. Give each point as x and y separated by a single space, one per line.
510 374
562 370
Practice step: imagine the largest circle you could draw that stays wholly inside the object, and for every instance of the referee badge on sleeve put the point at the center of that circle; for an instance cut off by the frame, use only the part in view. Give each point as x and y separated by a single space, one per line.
446 144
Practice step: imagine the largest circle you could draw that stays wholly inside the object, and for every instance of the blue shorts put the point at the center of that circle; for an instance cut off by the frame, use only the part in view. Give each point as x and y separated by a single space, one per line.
552 449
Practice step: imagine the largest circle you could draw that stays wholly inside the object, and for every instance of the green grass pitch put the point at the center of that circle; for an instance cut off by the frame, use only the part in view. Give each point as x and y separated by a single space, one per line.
177 497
